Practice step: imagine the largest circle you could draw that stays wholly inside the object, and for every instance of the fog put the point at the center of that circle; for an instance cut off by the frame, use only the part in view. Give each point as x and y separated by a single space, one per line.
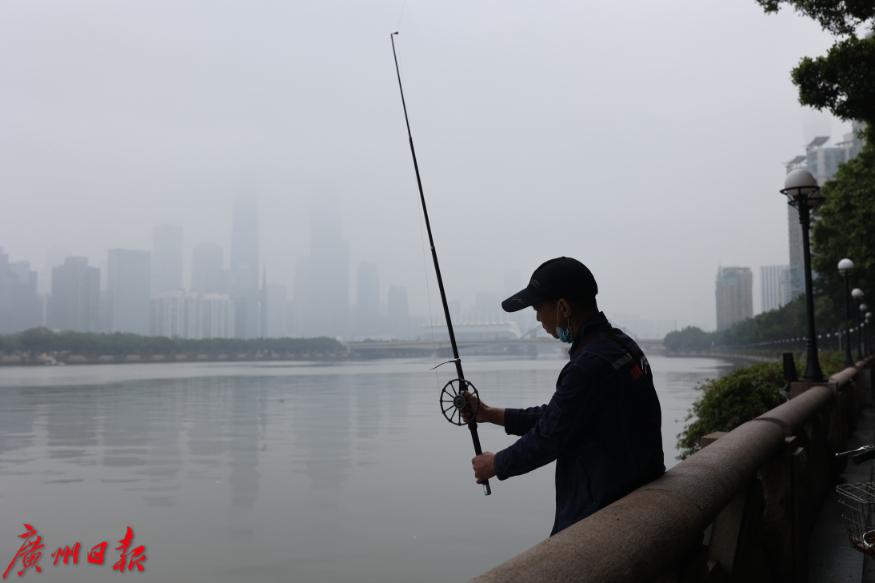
645 139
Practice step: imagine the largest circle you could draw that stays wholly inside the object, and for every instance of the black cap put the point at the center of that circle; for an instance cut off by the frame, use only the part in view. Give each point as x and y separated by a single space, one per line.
562 277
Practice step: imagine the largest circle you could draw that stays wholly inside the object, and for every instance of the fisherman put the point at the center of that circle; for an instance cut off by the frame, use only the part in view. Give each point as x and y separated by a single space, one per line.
602 425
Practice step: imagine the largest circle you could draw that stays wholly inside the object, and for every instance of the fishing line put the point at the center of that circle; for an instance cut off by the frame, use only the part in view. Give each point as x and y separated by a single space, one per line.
400 15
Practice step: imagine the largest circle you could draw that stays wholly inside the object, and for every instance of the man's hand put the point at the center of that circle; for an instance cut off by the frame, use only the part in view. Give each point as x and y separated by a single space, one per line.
485 413
484 466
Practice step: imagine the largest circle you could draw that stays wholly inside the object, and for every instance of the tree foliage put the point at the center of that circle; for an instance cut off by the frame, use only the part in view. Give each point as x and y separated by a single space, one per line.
844 228
729 401
843 80
742 395
40 340
781 324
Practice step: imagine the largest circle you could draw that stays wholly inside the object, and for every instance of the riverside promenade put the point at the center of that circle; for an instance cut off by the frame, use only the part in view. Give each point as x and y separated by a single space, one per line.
756 504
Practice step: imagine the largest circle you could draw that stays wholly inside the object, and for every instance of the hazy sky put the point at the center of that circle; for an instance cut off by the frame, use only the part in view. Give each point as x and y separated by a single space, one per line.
644 138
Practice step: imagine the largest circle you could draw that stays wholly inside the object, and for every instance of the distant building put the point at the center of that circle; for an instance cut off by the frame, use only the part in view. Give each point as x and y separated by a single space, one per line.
368 317
734 296
208 273
192 315
486 309
74 303
398 312
128 283
20 306
774 286
275 303
166 266
322 280
244 268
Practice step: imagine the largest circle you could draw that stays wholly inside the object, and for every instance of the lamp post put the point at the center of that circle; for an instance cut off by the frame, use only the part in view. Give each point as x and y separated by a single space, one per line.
802 192
868 333
858 294
845 267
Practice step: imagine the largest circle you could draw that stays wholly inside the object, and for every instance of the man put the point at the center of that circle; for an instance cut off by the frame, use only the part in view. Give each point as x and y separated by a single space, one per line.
602 425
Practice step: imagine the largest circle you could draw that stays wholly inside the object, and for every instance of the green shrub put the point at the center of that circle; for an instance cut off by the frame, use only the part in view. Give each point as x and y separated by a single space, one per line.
740 396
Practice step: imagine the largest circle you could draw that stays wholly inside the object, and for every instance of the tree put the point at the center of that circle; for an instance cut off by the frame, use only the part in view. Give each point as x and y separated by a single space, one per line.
843 80
844 228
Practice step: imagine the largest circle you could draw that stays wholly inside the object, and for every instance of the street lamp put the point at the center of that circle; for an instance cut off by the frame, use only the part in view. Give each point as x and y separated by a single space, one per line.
845 267
802 192
868 332
864 325
858 294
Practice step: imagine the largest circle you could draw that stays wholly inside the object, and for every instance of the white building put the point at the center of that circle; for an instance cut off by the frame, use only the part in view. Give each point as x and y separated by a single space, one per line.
774 286
180 314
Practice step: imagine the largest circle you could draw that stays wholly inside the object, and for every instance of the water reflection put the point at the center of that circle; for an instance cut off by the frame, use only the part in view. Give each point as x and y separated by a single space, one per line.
321 429
16 421
283 471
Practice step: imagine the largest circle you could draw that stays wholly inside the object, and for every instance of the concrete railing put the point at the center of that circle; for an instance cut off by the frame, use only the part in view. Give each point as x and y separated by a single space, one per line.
740 509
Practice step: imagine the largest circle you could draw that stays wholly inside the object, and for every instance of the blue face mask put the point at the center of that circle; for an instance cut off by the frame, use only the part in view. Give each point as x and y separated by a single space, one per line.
564 334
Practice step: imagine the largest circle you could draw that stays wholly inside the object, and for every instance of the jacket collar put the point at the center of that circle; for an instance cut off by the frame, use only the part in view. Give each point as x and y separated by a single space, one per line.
587 330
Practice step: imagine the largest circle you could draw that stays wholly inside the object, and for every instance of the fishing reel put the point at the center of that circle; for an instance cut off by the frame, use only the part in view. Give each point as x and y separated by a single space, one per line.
454 404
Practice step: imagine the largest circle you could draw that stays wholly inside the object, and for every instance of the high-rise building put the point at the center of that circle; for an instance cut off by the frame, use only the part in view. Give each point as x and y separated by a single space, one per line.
486 309
166 259
244 268
181 314
398 312
20 306
128 283
74 303
734 295
368 317
774 286
322 280
208 273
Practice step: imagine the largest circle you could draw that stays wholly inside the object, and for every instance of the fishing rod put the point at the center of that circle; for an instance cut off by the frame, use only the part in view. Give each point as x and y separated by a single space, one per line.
453 399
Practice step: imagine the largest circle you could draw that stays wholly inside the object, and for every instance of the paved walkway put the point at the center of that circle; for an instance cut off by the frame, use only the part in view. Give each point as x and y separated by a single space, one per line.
832 559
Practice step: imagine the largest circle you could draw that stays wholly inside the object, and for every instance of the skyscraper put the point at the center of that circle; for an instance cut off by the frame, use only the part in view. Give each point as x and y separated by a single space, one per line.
244 267
368 317
774 286
322 280
128 284
274 310
19 301
166 259
75 300
208 274
734 295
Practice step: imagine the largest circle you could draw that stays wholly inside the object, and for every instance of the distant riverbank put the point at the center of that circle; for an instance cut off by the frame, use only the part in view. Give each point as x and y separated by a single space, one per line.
733 356
41 346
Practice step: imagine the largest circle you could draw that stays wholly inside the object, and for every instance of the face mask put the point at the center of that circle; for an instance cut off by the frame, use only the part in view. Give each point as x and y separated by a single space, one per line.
564 334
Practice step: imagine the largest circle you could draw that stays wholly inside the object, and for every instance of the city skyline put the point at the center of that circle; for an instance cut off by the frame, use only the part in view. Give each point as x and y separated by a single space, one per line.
355 303
550 150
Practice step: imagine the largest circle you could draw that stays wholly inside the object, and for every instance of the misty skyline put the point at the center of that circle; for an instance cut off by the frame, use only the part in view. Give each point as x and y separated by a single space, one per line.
646 140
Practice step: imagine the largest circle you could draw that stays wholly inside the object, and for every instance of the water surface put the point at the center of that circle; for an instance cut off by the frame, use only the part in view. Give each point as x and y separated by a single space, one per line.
278 471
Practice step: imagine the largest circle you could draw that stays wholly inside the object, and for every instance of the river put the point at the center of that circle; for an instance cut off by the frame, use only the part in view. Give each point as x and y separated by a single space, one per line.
256 472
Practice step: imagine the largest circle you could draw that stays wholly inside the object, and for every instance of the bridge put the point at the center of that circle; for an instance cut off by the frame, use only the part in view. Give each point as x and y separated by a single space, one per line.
531 347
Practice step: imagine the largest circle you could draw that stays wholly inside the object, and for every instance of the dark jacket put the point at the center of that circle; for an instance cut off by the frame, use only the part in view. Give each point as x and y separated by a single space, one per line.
602 426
